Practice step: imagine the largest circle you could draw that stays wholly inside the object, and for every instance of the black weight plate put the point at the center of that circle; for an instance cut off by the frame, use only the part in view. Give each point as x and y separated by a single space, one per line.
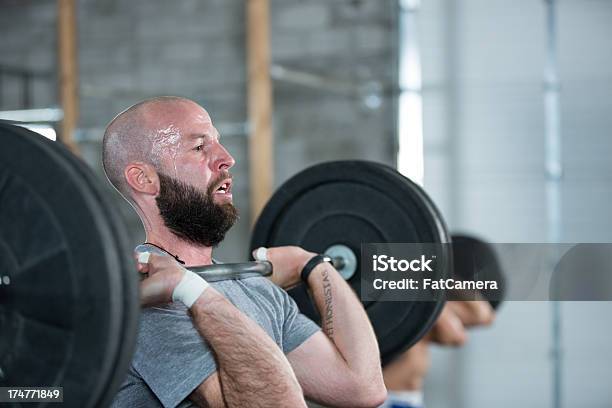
62 314
350 203
395 339
413 317
131 305
474 257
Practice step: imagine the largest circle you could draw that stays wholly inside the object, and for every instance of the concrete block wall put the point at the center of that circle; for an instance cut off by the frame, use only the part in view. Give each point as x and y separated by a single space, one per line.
28 42
129 51
341 40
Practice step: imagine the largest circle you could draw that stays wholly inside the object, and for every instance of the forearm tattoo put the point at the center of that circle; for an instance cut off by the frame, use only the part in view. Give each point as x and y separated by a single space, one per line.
328 320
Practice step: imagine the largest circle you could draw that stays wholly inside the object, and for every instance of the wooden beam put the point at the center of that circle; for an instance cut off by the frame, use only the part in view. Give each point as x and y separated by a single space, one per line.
68 71
261 158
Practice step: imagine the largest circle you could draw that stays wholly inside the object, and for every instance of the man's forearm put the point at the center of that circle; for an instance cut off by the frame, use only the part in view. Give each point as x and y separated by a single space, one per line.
345 322
252 369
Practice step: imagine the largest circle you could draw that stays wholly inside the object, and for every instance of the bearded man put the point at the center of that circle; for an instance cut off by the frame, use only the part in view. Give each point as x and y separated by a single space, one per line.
239 342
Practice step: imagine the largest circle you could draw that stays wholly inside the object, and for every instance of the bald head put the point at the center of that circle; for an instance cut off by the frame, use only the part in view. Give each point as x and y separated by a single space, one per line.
145 132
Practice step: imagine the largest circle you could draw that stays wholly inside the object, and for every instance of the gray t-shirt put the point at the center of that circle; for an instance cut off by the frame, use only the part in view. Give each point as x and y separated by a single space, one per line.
172 359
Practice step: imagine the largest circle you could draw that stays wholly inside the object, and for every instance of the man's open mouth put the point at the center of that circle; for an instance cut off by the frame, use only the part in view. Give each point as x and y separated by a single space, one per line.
225 187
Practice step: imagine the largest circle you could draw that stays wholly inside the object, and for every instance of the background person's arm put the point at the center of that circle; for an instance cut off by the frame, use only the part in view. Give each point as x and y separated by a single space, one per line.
252 370
473 312
448 329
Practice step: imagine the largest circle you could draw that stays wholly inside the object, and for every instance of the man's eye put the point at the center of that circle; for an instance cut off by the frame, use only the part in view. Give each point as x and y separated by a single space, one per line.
199 148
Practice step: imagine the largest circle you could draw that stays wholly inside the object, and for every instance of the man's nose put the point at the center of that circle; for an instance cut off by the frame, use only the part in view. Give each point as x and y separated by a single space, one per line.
223 160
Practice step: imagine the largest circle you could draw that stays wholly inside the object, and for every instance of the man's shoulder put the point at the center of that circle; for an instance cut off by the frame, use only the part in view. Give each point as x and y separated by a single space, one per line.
255 283
257 289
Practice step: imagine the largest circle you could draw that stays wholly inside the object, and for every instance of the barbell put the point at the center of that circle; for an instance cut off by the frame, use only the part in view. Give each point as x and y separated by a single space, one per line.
69 302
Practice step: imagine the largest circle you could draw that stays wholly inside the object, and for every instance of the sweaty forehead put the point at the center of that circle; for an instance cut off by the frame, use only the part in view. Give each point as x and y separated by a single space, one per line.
184 116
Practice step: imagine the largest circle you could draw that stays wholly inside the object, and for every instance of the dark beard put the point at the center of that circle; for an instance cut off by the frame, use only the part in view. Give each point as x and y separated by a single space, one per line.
193 215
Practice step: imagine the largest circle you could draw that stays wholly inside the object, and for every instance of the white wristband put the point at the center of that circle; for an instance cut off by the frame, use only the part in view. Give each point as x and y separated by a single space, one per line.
261 254
143 257
189 288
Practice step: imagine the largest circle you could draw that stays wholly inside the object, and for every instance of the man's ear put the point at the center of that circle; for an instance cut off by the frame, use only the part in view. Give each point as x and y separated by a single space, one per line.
142 178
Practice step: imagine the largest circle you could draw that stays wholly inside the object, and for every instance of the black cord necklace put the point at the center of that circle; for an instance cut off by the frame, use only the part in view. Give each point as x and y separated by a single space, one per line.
179 260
